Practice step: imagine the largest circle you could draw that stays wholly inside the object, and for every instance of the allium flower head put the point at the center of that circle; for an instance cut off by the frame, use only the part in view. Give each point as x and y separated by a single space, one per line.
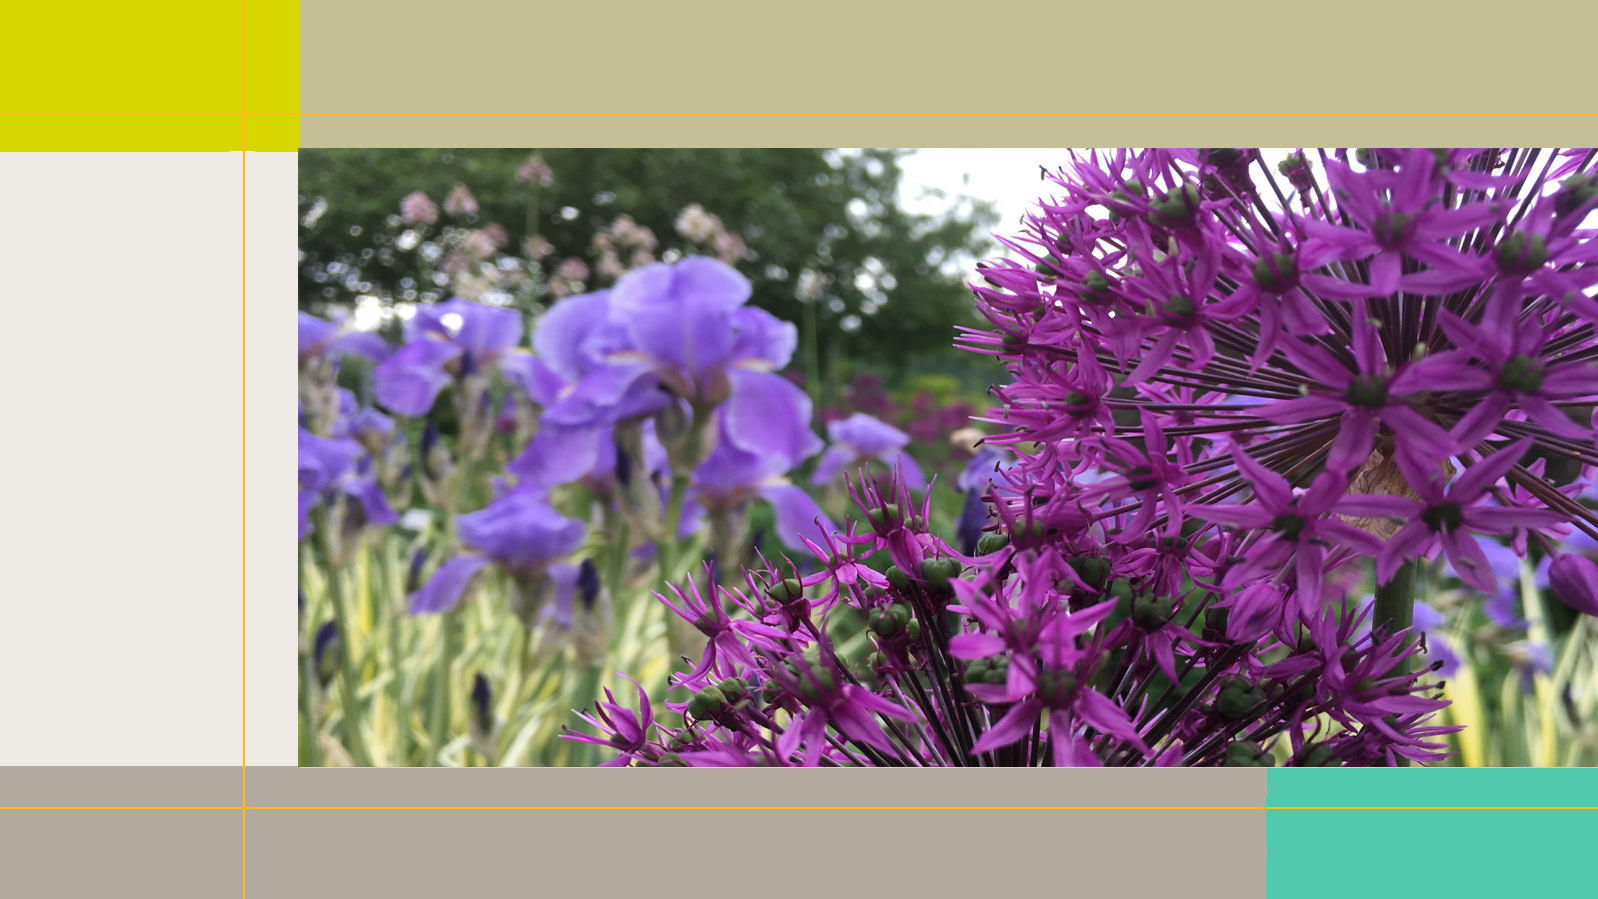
418 209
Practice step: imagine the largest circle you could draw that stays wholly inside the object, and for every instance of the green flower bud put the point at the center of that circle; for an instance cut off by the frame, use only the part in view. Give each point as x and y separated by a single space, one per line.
785 591
889 620
886 516
1152 612
1095 288
1237 698
733 688
1521 373
938 572
1277 272
1091 569
706 702
1176 207
898 578
1179 306
1574 194
1318 755
912 630
988 544
1056 688
1520 253
1248 754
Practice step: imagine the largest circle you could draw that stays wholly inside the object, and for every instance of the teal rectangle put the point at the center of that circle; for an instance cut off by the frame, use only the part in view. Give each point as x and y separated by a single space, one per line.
1432 787
1340 853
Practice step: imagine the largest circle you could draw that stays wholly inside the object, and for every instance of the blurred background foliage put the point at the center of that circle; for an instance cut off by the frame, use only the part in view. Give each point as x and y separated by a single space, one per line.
885 287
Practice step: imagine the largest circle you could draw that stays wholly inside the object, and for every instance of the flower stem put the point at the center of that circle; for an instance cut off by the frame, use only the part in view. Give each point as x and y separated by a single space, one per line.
1395 608
1395 611
347 675
438 723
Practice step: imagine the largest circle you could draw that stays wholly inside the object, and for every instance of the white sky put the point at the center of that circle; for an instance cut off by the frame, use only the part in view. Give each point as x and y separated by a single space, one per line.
1007 176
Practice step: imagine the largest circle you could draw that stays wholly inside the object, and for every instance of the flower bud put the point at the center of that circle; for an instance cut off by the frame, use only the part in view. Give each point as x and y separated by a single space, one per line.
733 688
1248 754
1277 272
1521 253
1575 194
1152 612
890 620
1237 698
938 572
706 702
898 578
988 544
1176 207
1056 688
785 591
1574 580
482 720
885 517
327 652
1091 569
1318 755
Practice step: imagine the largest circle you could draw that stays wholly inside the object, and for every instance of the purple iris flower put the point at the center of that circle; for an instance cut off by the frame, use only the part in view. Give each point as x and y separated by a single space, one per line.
519 532
319 337
687 329
573 342
450 340
328 468
860 438
732 475
979 474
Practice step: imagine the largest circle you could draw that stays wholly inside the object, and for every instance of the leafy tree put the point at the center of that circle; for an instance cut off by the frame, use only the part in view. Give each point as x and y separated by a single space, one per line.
885 287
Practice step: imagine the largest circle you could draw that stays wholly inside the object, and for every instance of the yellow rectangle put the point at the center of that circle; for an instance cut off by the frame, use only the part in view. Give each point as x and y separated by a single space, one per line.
97 56
120 133
272 57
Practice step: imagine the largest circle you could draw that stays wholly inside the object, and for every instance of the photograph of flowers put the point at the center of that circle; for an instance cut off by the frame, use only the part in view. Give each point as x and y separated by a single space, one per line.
889 457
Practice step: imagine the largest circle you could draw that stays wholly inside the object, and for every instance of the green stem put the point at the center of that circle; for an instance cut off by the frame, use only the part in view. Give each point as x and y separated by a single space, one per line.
1395 606
438 724
583 699
348 677
1395 611
812 353
666 548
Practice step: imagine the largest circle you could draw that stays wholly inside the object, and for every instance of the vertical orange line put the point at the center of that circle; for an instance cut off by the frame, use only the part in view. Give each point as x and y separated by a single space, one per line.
244 628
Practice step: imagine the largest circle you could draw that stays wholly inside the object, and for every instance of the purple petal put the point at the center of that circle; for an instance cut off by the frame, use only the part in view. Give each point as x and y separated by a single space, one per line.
768 414
410 380
443 590
833 461
796 516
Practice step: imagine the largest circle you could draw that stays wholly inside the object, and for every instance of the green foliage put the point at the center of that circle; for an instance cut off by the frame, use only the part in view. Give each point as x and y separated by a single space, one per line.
890 283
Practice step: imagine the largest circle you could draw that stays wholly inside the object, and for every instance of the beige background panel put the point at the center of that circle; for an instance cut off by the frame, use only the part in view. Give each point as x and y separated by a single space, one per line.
891 787
150 785
932 131
847 56
110 855
764 854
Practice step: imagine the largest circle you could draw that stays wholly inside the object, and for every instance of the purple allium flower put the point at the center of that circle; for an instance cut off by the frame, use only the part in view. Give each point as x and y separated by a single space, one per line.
1442 516
1221 398
861 438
